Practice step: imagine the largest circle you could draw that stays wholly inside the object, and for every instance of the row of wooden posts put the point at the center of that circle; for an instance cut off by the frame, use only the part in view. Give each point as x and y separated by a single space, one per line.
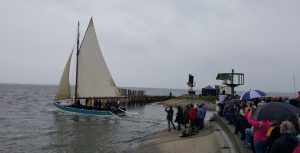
135 97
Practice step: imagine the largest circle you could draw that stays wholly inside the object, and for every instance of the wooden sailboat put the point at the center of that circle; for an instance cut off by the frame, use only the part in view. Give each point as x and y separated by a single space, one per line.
93 79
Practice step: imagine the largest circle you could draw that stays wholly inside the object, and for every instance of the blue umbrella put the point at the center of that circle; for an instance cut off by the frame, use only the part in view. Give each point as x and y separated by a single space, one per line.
252 94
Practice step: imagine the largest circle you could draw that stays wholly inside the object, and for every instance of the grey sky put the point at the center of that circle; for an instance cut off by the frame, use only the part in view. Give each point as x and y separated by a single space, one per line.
156 43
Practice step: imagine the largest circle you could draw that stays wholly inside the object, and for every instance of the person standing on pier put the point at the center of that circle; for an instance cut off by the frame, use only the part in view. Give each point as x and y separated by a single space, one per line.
171 95
186 116
179 117
288 140
192 117
200 117
170 117
259 133
222 98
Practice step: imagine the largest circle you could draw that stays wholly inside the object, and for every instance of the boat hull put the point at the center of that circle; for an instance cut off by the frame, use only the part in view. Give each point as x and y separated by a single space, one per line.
82 111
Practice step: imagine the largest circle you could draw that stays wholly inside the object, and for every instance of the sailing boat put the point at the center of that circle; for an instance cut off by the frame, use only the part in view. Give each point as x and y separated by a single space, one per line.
93 80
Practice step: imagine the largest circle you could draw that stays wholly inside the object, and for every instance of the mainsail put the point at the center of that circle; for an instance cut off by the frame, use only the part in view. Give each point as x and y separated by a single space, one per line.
64 91
93 78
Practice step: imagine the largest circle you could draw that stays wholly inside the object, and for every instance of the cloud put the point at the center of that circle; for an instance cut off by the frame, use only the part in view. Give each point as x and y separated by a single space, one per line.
156 43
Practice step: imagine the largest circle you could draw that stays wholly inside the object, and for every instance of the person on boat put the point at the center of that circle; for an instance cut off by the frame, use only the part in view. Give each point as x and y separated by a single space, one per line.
77 103
108 105
100 104
96 104
89 104
103 104
86 102
170 117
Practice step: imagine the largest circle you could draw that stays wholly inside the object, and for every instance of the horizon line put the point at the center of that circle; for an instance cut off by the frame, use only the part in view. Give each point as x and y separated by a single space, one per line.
37 84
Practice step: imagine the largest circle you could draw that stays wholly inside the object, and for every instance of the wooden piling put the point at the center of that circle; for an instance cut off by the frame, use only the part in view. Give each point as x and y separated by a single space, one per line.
138 97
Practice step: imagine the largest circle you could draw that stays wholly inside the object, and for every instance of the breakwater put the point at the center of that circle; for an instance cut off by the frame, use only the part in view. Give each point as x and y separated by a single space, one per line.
138 97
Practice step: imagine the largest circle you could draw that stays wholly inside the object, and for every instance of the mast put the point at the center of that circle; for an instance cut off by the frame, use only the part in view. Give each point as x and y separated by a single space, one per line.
77 61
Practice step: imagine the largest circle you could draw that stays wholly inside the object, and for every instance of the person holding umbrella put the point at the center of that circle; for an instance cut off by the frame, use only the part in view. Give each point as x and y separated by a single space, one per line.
251 94
259 132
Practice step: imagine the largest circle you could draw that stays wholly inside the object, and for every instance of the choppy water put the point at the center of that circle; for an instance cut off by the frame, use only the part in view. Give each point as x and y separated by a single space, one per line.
29 123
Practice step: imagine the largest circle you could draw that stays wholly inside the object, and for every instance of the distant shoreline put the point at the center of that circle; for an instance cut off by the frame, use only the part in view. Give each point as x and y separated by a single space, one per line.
166 91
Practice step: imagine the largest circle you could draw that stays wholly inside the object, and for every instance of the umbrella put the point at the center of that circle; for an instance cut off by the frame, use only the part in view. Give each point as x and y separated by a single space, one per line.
252 94
275 111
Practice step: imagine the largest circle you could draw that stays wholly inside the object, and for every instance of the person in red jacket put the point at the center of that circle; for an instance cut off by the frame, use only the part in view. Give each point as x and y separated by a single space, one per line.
259 133
192 117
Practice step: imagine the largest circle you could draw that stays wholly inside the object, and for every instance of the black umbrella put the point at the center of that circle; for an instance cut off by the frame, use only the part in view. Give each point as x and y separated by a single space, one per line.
275 111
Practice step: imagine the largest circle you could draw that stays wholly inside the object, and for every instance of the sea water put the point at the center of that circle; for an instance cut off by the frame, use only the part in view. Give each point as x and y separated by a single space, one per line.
29 123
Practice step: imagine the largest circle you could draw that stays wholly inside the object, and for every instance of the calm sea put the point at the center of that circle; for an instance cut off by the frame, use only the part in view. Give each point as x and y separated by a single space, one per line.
29 123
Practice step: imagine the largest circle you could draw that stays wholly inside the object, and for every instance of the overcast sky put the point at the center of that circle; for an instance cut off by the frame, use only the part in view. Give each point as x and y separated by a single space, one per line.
156 43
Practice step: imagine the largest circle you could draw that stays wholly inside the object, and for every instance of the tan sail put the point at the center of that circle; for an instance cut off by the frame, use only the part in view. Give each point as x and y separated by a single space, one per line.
94 79
64 91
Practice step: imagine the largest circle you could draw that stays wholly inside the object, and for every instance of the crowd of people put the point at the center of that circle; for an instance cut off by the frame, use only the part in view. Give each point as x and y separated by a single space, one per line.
262 136
97 104
191 117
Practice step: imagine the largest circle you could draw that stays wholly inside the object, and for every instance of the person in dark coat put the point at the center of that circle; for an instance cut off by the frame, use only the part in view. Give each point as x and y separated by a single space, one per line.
179 117
273 134
77 103
288 141
186 116
170 117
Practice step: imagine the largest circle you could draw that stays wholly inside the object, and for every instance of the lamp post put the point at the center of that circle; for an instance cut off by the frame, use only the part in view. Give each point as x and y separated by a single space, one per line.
191 84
